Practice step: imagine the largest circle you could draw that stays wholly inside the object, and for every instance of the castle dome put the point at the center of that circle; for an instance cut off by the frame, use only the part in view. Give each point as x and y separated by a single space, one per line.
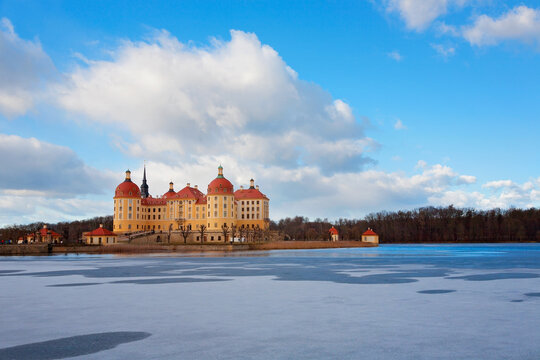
220 185
127 189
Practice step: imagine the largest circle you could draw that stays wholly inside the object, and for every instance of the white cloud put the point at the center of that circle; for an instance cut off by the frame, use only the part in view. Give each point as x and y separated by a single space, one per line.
33 167
24 67
505 194
395 55
177 102
498 184
17 209
521 23
419 14
399 125
46 182
444 51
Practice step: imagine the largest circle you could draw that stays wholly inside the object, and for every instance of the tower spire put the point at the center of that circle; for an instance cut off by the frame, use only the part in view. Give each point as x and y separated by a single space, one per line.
144 186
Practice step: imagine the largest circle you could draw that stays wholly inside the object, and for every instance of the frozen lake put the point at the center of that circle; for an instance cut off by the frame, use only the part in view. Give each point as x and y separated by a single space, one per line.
391 302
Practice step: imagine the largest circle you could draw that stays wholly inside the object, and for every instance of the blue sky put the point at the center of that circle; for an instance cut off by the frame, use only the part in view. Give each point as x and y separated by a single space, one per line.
335 108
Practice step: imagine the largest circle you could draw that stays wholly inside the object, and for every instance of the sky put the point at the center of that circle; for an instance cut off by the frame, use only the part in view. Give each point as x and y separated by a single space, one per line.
335 108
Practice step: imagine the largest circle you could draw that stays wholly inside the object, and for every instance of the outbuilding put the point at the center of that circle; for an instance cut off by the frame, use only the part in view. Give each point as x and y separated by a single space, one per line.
370 236
100 236
334 234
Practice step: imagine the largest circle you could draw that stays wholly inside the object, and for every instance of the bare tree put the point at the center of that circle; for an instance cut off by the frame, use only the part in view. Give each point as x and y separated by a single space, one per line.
243 233
257 234
185 230
202 230
234 231
225 229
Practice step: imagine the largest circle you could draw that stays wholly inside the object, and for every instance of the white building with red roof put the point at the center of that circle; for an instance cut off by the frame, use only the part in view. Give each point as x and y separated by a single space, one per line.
370 236
334 234
100 236
44 235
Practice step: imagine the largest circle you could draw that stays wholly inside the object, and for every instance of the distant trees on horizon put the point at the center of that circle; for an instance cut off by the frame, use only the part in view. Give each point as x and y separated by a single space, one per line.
426 224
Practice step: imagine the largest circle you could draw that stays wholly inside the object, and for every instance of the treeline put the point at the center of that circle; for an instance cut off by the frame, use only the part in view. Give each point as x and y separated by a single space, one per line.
70 231
428 224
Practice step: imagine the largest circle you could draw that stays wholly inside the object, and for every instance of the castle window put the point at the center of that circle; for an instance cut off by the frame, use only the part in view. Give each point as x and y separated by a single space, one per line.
209 214
224 206
215 213
219 238
212 238
215 225
242 202
242 218
224 213
257 202
248 216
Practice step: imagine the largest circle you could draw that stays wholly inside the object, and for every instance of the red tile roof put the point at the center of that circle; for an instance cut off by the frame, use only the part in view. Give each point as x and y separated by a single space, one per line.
249 194
127 189
369 232
169 194
100 231
189 193
220 185
45 232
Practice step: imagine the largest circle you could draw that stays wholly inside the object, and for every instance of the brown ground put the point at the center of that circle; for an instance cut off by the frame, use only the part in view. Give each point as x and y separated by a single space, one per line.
41 249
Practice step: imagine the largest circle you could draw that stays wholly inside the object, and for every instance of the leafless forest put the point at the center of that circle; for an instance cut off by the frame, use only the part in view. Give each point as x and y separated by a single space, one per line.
428 224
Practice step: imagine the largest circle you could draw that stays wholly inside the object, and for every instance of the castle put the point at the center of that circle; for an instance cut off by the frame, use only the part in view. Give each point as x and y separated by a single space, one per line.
219 212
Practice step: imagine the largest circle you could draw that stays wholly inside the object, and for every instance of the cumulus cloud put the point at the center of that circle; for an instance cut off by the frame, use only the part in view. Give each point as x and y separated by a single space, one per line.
175 101
31 167
21 209
419 14
521 23
505 194
24 67
309 192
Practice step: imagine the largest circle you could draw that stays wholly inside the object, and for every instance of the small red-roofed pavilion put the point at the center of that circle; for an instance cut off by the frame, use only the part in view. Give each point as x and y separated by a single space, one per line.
100 236
334 234
370 236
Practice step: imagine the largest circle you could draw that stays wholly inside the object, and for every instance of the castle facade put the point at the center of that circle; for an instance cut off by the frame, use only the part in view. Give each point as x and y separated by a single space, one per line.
135 210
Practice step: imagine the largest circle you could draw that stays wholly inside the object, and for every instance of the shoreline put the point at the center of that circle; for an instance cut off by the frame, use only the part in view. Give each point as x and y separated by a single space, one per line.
44 249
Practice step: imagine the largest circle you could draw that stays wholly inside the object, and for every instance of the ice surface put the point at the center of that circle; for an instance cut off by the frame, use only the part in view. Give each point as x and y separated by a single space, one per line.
390 302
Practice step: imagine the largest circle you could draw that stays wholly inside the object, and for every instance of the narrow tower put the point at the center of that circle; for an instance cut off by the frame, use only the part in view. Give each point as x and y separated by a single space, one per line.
144 186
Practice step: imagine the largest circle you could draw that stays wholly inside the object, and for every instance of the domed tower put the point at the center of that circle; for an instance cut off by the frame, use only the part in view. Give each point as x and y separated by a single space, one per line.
127 203
220 205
